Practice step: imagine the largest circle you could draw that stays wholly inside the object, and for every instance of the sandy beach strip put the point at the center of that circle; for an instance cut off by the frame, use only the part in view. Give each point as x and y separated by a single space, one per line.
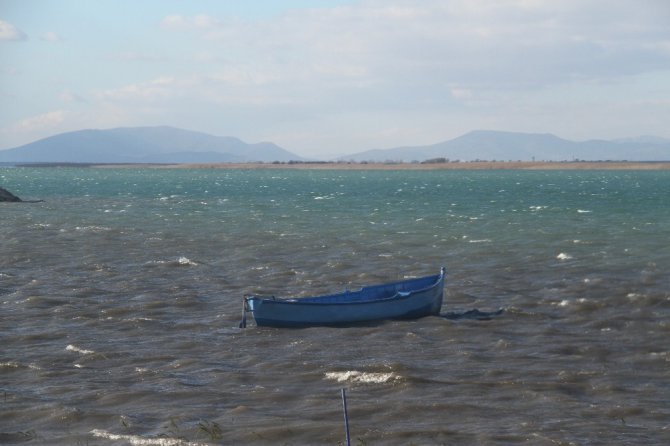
478 165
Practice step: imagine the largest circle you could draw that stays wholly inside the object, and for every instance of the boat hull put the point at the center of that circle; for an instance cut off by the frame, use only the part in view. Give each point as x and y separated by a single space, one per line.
409 299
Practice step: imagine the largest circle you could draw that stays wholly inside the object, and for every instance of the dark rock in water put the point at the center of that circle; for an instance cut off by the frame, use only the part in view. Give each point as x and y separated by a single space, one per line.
7 196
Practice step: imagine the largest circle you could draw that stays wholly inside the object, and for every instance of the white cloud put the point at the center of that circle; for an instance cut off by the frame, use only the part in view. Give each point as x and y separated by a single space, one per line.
507 44
67 96
461 93
174 22
156 89
51 36
39 123
376 73
9 32
403 67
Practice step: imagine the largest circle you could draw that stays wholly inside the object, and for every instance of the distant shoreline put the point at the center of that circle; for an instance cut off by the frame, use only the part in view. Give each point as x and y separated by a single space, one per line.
474 165
481 165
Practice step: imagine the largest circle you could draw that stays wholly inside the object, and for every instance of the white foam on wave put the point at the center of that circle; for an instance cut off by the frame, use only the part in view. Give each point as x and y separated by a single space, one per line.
92 228
563 256
583 211
136 440
184 261
355 376
17 365
484 240
181 261
74 348
139 319
9 365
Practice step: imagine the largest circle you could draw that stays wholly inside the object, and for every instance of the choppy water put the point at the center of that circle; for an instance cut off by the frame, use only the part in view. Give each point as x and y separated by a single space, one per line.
121 294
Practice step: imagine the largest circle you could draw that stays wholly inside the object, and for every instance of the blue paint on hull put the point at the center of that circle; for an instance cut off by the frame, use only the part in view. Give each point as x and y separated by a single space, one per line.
408 299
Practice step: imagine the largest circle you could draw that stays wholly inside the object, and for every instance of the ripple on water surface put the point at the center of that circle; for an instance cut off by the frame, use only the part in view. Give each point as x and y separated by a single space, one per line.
120 298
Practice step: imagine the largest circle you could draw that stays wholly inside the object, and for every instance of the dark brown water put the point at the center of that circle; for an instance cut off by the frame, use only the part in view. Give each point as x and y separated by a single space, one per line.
121 294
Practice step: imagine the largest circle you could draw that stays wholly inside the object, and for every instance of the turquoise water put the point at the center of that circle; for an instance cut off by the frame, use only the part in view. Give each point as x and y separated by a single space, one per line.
121 295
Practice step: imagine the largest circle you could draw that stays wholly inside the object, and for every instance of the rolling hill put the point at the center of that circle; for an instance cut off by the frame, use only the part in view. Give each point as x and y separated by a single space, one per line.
508 146
171 145
144 145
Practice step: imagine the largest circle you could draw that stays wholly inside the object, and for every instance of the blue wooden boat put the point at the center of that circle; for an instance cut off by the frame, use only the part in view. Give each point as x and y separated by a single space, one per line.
407 299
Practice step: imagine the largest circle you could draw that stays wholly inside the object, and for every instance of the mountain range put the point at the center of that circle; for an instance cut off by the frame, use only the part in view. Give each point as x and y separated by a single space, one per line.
172 145
144 145
491 145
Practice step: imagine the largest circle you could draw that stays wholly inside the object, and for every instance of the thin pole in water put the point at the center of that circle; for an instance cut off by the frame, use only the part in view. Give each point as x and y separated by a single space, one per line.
346 416
243 322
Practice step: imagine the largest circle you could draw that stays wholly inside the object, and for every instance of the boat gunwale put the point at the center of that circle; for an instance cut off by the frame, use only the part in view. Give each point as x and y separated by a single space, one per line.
399 295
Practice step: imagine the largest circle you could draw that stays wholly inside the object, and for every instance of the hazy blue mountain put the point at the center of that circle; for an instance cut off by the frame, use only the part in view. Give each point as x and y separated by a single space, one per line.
172 145
508 146
144 145
644 139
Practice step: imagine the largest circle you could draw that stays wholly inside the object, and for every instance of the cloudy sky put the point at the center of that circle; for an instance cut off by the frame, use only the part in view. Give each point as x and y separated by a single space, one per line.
328 77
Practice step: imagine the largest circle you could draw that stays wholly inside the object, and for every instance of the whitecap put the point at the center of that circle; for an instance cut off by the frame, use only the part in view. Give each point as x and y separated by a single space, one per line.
582 211
73 348
502 344
564 256
185 261
355 376
9 365
136 440
92 228
139 319
661 355
484 240
17 365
